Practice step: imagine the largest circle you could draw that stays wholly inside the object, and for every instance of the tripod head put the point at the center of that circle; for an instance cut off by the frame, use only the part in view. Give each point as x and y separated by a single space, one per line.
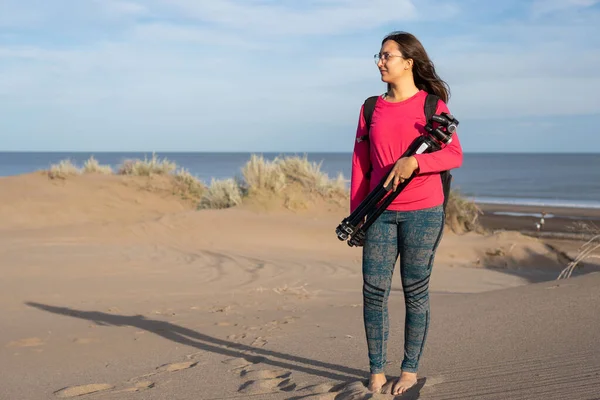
447 125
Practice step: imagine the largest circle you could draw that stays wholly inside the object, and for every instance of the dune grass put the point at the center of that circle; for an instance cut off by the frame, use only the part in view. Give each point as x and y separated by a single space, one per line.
66 168
262 175
309 176
588 250
221 194
93 166
145 167
63 169
187 185
292 182
462 215
183 183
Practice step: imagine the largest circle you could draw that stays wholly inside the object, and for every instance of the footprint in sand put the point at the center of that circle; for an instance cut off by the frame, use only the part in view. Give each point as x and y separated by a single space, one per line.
139 387
289 319
259 342
74 391
27 342
358 391
238 363
176 366
319 388
267 386
236 337
194 355
261 381
173 367
265 374
345 391
84 340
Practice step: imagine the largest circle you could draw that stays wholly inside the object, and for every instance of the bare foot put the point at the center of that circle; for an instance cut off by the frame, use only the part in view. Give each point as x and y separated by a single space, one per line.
376 382
406 381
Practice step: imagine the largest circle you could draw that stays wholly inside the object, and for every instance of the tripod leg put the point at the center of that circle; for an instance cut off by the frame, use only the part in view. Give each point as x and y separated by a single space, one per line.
368 203
349 224
420 145
358 236
380 191
359 212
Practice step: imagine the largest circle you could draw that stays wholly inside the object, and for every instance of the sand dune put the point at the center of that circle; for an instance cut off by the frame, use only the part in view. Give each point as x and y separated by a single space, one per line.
114 286
33 201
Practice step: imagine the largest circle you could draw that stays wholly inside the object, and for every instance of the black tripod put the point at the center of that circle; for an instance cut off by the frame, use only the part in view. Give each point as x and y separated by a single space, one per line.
353 226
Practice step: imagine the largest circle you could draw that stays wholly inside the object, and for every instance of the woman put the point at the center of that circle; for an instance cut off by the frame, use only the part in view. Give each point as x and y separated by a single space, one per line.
411 226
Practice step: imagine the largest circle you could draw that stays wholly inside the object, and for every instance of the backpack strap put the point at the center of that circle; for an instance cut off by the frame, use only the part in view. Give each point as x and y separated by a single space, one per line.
431 102
368 108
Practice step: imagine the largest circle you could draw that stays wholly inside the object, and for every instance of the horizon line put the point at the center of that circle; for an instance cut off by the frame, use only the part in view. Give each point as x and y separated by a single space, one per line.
266 151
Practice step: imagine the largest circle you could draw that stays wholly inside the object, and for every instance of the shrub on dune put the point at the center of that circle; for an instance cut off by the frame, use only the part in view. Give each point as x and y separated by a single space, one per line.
263 175
63 169
462 215
188 185
93 166
221 194
145 167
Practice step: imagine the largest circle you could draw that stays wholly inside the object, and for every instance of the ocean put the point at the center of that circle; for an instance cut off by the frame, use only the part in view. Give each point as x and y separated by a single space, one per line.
569 180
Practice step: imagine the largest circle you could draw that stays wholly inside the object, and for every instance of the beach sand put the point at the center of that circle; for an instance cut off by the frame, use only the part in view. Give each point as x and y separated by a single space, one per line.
114 288
562 222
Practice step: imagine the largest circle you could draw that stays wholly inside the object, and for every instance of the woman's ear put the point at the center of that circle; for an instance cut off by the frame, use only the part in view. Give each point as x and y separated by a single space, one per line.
409 63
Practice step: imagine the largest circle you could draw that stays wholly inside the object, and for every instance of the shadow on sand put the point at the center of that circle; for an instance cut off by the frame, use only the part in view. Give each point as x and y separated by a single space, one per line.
254 355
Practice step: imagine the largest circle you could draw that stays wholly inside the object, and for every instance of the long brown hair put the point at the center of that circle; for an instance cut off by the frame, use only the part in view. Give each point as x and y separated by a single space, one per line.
424 73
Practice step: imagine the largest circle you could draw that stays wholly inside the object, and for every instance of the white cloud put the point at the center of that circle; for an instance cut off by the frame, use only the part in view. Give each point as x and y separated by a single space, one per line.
527 97
524 68
48 18
161 33
119 8
15 15
543 7
322 17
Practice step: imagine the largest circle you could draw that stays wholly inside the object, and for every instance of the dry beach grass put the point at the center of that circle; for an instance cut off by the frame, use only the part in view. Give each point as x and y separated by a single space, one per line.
295 181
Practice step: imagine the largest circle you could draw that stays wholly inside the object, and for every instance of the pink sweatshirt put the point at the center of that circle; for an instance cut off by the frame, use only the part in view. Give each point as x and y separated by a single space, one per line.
394 126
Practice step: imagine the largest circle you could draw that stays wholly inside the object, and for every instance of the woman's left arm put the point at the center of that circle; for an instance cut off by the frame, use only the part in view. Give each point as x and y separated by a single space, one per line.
450 157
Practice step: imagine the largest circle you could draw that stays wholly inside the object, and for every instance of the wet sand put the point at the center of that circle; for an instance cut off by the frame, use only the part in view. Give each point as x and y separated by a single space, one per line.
524 218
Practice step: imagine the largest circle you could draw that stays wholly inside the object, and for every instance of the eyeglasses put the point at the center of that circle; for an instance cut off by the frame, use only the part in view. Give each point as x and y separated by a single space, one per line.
384 56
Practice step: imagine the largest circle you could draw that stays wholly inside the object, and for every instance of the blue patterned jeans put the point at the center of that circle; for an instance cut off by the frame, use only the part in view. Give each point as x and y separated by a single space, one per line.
414 236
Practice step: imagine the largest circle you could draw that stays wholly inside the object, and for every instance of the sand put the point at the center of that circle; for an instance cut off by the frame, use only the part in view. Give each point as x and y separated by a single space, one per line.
559 222
114 288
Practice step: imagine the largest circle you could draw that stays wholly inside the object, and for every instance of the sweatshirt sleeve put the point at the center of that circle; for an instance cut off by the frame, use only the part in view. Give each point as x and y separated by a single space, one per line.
359 183
449 157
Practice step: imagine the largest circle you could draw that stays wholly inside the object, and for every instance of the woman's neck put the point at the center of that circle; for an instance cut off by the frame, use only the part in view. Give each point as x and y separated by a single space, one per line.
401 91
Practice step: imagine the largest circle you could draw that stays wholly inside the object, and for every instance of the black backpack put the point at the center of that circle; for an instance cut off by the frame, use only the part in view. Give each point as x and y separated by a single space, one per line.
431 102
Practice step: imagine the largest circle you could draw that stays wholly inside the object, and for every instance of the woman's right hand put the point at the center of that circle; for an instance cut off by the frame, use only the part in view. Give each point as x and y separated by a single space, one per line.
402 170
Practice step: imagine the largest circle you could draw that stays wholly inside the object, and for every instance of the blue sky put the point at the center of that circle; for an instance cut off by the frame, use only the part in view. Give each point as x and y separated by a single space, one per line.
283 75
